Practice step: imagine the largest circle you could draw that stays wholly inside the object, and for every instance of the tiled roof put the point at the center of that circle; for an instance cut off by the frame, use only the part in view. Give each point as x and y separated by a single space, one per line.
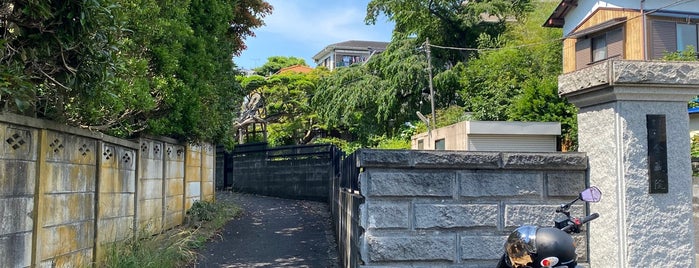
295 68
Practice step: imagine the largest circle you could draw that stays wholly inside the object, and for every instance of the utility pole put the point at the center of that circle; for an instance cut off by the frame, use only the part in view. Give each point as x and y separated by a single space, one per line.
429 71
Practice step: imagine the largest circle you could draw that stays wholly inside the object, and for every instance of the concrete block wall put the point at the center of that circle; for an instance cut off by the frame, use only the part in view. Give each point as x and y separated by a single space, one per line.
116 194
66 193
208 171
65 199
18 163
192 177
173 210
455 209
150 186
296 172
172 178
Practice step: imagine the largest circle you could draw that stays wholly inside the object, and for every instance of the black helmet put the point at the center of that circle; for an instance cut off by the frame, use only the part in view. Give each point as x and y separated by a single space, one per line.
531 246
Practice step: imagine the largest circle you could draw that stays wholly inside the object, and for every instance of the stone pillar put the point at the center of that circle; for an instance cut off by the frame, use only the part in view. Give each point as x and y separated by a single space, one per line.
627 107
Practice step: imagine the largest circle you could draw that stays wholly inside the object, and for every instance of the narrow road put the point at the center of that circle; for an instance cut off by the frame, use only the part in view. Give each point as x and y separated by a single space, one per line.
272 232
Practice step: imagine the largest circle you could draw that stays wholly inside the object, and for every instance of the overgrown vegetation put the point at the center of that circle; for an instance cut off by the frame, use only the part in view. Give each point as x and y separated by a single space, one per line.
173 248
125 67
504 69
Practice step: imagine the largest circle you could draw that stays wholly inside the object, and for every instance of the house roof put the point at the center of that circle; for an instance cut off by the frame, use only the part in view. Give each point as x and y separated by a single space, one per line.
597 28
298 68
353 45
556 19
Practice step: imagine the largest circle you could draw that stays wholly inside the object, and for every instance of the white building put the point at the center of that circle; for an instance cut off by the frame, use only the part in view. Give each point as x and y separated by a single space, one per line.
347 53
491 136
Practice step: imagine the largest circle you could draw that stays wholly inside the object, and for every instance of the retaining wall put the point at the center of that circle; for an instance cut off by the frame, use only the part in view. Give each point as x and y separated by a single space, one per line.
453 209
66 193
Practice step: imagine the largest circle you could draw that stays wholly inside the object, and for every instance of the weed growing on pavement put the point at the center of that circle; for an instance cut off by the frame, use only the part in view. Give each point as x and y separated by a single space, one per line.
172 248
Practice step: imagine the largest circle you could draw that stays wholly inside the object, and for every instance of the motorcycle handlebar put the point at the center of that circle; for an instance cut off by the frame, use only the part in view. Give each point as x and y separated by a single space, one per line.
576 224
589 218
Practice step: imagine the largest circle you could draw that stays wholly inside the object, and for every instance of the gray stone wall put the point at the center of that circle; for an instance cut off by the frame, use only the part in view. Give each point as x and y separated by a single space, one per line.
455 209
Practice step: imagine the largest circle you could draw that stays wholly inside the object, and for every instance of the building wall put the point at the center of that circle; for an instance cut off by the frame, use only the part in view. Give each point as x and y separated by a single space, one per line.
67 193
585 8
633 35
492 136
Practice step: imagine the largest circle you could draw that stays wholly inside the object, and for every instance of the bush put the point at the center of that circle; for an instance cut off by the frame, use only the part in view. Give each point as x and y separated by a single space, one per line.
694 148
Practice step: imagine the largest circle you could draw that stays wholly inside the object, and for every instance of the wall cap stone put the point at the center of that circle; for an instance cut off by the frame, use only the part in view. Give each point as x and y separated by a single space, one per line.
614 79
471 160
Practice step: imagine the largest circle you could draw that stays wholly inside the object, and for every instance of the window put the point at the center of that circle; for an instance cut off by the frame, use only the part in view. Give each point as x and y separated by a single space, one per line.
598 47
686 36
348 60
439 144
670 36
420 144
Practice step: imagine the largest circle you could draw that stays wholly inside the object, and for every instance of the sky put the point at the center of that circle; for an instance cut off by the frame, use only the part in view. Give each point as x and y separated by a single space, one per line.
302 28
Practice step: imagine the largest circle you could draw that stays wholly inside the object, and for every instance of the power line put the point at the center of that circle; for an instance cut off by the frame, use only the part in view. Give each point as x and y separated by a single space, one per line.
678 2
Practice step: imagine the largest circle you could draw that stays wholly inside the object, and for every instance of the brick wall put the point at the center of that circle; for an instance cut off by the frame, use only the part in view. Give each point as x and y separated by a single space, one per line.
455 209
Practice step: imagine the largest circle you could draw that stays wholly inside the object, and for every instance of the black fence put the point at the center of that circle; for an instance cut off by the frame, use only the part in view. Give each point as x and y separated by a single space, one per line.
295 172
344 207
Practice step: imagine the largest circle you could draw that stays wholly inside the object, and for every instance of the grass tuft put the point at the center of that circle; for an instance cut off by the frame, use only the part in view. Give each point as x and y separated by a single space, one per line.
172 248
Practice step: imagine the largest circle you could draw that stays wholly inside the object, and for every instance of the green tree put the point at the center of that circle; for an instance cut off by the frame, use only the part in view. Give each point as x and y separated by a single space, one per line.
375 98
446 22
276 63
287 103
125 67
519 81
290 114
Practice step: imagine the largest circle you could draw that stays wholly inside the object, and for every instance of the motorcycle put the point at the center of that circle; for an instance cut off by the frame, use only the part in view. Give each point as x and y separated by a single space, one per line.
533 247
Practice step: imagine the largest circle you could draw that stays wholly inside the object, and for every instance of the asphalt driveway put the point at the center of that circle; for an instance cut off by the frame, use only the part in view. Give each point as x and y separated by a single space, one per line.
272 232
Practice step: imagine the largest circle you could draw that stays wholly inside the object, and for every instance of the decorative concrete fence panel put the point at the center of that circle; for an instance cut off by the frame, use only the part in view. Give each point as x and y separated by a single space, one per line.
193 175
174 185
18 161
455 209
208 172
67 193
116 211
150 186
65 200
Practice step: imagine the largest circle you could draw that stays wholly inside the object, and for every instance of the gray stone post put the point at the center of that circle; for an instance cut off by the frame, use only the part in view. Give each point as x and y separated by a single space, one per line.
633 124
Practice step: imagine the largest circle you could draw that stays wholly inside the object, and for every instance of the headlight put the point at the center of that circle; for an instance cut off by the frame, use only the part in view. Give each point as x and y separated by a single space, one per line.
520 244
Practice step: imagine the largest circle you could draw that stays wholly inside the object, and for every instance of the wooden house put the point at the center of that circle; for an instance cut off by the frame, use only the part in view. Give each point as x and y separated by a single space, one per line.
594 30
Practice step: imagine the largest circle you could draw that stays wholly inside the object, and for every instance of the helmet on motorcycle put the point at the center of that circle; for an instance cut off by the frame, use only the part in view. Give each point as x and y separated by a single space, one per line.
531 246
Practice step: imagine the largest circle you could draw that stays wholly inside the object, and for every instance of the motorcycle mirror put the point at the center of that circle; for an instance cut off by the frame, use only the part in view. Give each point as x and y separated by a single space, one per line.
592 194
